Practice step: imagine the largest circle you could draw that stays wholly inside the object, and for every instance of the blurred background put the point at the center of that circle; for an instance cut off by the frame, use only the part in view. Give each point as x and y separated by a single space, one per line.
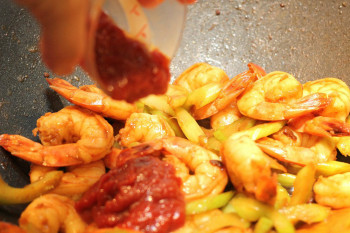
309 39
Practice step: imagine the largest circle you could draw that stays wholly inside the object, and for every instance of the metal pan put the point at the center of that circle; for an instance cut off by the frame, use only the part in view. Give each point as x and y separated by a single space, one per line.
309 39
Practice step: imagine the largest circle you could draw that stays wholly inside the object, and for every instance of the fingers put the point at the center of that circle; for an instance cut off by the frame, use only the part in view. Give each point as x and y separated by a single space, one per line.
63 31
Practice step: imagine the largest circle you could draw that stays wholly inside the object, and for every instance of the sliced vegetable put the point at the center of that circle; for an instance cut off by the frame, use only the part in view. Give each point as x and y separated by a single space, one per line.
10 195
282 197
286 179
331 168
261 130
303 184
158 102
209 203
252 210
203 95
309 213
189 125
264 225
171 121
242 123
177 95
213 220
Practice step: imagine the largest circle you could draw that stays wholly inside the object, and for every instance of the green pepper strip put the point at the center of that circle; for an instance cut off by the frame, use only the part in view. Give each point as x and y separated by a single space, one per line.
251 210
208 203
10 195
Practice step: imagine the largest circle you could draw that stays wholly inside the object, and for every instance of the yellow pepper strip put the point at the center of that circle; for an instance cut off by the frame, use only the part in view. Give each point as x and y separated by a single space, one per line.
209 203
331 168
264 225
242 123
286 179
261 130
176 95
303 184
10 195
252 210
203 95
171 121
309 213
211 143
214 220
158 102
189 125
282 197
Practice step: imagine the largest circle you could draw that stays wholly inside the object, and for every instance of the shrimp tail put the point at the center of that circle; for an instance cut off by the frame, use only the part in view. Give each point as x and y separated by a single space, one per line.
308 104
21 147
327 126
256 70
73 94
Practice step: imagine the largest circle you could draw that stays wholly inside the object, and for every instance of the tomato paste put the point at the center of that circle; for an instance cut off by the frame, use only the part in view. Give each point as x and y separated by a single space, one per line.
142 194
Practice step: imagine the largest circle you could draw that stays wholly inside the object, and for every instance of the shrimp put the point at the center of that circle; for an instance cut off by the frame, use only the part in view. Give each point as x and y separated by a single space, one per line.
249 168
200 170
225 117
337 91
337 221
91 97
9 228
75 181
51 213
199 75
143 127
333 191
279 96
298 148
230 91
70 136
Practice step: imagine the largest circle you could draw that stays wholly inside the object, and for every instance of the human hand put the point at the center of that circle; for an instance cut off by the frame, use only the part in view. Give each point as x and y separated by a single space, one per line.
65 29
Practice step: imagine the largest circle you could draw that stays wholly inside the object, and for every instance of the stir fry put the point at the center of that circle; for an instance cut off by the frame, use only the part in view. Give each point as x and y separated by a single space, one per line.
253 153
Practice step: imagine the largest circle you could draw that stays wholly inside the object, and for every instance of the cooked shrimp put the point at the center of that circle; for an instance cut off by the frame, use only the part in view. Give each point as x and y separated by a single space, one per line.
91 97
201 170
199 75
70 136
256 70
10 228
76 179
249 168
225 117
298 148
333 191
51 213
337 91
278 96
143 127
230 91
337 221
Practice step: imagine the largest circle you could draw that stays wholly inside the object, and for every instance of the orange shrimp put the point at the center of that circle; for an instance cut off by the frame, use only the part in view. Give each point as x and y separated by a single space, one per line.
249 168
91 97
298 148
75 181
279 96
230 91
70 136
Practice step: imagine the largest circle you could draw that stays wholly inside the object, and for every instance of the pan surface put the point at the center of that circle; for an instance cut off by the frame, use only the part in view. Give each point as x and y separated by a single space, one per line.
309 39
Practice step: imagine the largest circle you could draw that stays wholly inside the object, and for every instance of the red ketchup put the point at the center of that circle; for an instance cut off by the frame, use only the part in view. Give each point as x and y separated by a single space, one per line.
126 68
142 194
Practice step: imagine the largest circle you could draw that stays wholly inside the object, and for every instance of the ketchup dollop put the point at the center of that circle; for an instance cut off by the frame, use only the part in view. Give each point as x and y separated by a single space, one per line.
142 194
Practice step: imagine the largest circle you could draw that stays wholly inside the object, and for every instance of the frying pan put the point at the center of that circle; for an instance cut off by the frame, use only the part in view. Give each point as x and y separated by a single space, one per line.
309 39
